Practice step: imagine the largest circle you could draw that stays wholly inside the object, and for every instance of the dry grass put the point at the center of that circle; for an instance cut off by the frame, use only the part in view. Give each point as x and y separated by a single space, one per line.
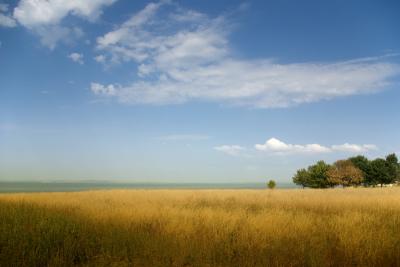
351 227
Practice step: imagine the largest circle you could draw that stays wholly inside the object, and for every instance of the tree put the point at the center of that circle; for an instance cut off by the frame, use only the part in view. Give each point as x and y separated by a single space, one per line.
302 177
364 165
318 175
315 176
343 172
271 184
380 172
393 167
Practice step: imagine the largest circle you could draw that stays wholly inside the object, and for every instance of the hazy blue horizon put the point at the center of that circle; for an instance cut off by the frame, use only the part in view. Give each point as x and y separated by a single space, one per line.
72 186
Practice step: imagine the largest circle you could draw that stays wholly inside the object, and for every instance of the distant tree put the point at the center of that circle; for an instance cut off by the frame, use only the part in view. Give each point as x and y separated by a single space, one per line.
380 172
393 167
345 173
350 172
315 176
271 184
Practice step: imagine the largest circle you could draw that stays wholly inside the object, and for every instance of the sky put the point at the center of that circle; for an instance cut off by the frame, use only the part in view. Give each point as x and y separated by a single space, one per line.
194 91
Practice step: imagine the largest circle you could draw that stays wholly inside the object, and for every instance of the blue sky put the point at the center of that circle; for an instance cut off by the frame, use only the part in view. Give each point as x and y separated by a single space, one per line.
194 91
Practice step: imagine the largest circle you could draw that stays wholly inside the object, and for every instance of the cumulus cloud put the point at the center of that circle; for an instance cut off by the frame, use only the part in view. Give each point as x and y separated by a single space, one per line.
44 17
183 55
6 20
275 145
76 57
232 150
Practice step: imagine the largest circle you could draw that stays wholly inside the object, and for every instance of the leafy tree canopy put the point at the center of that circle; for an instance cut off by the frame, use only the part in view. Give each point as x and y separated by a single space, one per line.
345 173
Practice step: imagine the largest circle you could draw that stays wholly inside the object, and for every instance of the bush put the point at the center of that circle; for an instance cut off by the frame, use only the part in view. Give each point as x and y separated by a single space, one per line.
271 184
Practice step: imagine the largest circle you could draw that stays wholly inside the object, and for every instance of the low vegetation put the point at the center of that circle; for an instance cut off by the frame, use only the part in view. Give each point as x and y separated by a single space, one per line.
334 227
271 184
354 171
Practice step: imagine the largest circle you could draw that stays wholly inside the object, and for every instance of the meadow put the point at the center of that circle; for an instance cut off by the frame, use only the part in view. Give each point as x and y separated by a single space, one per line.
294 227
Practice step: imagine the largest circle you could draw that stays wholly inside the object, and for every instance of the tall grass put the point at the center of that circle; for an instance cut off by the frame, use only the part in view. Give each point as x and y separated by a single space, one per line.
350 227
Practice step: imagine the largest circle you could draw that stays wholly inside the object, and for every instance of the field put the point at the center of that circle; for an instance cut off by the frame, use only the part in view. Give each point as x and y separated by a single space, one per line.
334 227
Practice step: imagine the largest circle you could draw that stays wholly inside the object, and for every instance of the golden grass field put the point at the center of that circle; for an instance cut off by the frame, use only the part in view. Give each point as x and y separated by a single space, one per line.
333 227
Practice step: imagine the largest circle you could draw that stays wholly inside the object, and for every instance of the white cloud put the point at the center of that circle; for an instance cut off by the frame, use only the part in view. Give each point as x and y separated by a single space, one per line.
101 89
185 56
232 150
184 137
354 148
52 34
76 57
275 145
44 17
6 20
31 13
100 58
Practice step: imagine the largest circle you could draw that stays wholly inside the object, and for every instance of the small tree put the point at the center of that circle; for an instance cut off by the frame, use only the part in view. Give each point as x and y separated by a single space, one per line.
271 184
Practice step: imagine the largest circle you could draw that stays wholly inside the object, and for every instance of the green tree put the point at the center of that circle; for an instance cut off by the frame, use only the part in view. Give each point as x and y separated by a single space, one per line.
380 172
271 184
364 165
302 178
315 176
393 167
343 172
318 175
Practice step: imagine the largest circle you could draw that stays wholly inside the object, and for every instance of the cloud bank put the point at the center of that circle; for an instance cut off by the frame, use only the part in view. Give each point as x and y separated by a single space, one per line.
183 55
275 145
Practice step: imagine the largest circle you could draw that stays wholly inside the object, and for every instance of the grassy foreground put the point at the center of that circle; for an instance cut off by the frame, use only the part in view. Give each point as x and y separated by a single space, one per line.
351 227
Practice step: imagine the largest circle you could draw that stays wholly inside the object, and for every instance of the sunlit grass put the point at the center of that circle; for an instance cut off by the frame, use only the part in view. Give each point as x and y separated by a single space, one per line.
338 227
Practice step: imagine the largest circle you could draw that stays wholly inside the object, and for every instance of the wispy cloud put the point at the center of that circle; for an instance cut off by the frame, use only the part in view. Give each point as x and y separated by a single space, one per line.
183 55
354 147
232 150
6 19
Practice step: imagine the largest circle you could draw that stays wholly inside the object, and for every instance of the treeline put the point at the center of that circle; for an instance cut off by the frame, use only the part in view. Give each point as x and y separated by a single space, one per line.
354 171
